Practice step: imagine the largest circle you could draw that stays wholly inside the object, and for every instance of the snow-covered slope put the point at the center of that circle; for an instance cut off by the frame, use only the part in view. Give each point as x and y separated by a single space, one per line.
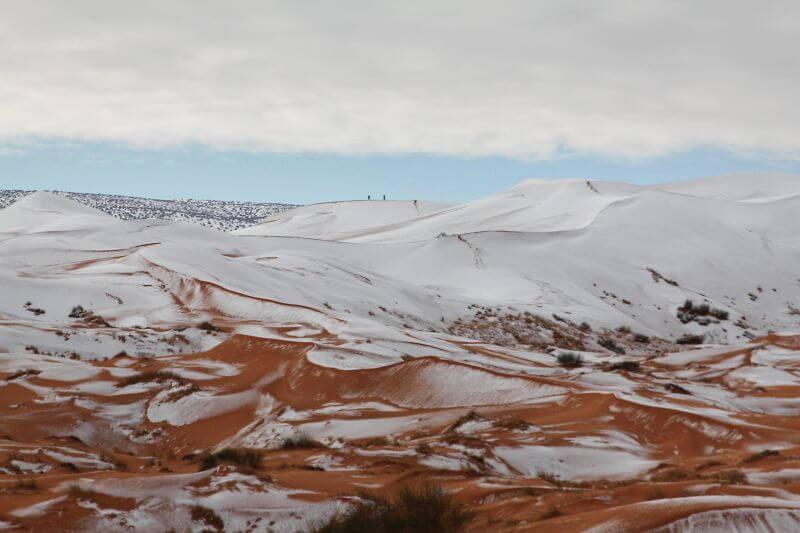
217 214
341 220
608 254
754 187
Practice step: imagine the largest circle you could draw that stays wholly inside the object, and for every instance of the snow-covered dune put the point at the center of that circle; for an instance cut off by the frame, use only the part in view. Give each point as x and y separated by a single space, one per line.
747 187
341 220
527 349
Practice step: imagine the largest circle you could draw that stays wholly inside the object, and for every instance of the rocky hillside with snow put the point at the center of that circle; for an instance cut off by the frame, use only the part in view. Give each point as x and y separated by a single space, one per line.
562 356
217 214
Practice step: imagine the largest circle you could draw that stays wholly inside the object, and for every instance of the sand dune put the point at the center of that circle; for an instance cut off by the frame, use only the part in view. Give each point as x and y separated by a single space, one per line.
402 344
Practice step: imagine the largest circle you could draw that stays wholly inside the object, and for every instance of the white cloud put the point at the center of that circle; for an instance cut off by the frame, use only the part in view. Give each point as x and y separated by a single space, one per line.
521 78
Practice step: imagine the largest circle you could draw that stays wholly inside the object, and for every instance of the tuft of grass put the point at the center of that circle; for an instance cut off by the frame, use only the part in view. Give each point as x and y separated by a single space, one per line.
569 359
553 479
301 440
208 517
463 419
425 509
761 455
610 344
245 457
147 377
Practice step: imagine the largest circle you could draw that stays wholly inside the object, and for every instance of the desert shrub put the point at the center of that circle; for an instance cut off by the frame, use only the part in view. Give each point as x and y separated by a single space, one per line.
658 277
89 317
235 456
427 509
208 517
23 373
301 440
731 477
719 313
610 344
424 449
78 312
35 310
691 339
671 476
569 359
676 389
147 377
511 422
549 477
689 312
624 330
630 366
183 392
638 337
208 326
761 455
585 326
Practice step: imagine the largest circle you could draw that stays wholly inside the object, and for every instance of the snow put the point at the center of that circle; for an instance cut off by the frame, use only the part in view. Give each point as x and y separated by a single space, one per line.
543 247
196 406
37 509
577 463
341 220
745 520
739 187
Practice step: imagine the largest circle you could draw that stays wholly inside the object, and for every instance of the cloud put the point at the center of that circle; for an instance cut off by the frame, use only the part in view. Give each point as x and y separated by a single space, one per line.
468 78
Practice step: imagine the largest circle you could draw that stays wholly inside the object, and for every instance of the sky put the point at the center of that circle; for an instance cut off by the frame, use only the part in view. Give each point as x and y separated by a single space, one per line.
445 100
